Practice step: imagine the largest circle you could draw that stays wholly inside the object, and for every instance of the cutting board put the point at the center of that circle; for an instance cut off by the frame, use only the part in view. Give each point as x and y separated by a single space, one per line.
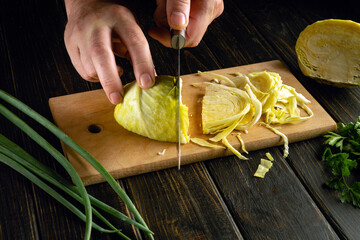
88 118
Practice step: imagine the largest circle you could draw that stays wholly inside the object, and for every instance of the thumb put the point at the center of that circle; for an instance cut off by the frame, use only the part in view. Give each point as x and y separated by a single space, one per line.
177 12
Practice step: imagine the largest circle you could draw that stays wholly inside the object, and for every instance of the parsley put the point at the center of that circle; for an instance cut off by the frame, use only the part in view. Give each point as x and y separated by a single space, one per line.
342 155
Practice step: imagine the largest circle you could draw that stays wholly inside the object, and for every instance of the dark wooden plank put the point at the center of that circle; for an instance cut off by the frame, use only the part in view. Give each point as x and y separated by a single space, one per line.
343 104
238 186
281 31
17 214
306 159
182 204
106 194
36 67
276 207
16 202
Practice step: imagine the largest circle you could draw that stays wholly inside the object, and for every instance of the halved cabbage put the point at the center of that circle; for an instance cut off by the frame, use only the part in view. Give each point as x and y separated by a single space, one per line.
153 112
329 51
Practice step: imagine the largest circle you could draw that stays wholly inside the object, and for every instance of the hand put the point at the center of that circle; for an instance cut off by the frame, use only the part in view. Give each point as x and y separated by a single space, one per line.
96 30
195 16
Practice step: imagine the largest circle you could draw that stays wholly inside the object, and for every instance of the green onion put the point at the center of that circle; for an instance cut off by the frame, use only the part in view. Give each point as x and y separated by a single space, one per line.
13 164
60 158
71 143
25 164
16 152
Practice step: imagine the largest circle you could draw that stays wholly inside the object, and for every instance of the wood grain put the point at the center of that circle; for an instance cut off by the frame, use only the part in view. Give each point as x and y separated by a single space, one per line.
276 207
165 204
306 159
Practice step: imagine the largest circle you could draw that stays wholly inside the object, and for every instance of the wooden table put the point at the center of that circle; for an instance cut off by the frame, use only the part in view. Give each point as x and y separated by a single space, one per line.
215 199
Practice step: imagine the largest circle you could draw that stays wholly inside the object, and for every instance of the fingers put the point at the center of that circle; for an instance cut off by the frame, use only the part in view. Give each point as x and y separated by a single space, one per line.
177 12
93 37
202 13
169 14
120 49
197 19
103 60
138 49
88 65
74 53
161 34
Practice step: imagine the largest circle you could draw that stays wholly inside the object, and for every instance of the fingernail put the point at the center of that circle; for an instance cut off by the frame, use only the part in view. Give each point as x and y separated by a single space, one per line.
178 19
146 80
115 98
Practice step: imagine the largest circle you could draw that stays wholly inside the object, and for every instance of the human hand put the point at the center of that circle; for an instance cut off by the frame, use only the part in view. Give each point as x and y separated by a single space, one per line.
195 16
96 30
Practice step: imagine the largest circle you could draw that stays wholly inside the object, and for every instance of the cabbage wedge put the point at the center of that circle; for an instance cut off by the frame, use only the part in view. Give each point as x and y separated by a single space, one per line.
153 112
226 108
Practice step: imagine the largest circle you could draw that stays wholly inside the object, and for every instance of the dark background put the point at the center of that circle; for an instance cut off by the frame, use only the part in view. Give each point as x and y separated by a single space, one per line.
214 199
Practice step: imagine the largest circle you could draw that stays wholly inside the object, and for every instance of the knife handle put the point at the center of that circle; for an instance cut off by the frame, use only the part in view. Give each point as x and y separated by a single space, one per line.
177 38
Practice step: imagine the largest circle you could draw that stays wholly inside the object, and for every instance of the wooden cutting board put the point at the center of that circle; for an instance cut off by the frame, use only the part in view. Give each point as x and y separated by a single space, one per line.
88 118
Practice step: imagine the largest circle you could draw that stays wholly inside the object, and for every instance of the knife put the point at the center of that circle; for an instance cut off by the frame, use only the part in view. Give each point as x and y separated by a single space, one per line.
178 42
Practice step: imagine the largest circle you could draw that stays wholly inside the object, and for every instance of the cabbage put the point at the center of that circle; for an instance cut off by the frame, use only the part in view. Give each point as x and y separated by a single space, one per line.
153 112
283 136
238 103
269 156
280 102
226 108
204 143
242 143
223 106
232 149
329 52
263 168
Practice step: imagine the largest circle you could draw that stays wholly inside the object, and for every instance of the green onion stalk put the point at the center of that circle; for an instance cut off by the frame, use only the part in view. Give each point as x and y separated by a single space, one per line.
19 155
78 191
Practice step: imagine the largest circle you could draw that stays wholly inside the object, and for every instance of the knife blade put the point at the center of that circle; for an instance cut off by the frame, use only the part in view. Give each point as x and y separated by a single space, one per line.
178 42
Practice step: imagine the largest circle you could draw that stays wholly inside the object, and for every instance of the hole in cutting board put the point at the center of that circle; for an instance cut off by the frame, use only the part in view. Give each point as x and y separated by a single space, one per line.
95 128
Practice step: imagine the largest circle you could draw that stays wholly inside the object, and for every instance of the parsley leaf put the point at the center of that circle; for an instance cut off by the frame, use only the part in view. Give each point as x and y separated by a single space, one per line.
352 195
342 154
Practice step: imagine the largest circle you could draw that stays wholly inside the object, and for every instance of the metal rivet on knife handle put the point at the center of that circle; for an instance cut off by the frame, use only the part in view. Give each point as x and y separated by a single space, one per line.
177 38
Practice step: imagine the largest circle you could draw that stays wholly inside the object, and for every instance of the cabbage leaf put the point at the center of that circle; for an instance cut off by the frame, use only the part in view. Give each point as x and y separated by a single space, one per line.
153 112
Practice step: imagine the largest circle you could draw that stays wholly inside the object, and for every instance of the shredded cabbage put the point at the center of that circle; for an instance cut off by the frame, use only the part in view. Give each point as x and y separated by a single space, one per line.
204 143
238 103
263 168
269 156
283 136
227 108
232 149
242 143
